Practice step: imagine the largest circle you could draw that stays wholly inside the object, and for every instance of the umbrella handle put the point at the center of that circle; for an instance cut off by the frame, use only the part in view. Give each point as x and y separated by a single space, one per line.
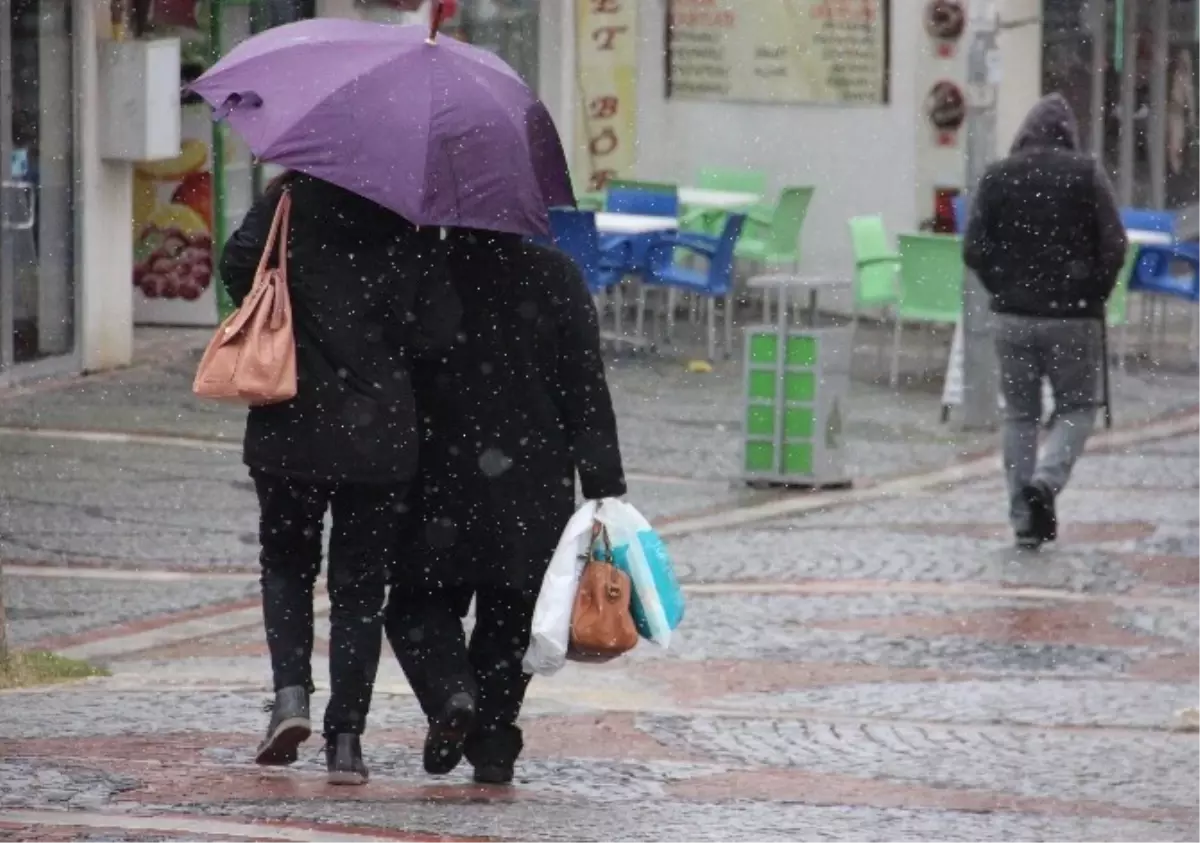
437 13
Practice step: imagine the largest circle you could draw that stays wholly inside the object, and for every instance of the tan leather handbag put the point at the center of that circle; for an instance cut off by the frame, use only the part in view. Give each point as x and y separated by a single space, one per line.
602 625
252 358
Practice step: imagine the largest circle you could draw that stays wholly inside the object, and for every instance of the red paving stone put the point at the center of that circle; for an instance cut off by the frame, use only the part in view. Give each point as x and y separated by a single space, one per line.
1081 624
29 833
1162 569
610 737
1175 667
689 681
842 790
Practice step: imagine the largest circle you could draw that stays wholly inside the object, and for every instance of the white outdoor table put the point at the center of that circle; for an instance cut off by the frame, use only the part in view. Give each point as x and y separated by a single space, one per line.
716 200
611 223
1143 237
785 284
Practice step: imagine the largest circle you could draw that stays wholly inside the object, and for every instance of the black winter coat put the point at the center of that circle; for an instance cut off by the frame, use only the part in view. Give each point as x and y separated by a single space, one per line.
508 417
1044 235
357 274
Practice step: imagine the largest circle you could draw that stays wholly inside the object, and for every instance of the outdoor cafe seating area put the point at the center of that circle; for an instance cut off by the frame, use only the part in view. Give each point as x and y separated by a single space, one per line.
701 250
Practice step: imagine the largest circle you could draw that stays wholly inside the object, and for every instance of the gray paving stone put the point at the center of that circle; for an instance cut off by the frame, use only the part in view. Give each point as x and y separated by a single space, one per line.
40 607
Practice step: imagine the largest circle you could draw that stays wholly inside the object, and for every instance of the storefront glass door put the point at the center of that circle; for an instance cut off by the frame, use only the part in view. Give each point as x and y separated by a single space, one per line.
37 291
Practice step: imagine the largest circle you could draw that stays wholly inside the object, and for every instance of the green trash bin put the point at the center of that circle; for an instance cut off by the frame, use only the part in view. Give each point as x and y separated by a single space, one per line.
796 381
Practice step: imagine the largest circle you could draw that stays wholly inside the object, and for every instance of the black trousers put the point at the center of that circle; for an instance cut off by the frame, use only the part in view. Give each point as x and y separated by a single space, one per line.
426 632
365 524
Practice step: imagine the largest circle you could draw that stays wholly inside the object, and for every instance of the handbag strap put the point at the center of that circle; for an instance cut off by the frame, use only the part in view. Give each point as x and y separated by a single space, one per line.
280 226
612 588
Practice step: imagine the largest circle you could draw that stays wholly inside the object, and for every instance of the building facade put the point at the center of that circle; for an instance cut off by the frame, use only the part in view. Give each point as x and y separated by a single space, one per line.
656 89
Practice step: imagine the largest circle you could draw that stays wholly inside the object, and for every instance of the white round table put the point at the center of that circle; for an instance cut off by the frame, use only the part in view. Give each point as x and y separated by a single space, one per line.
1144 237
785 283
716 200
608 222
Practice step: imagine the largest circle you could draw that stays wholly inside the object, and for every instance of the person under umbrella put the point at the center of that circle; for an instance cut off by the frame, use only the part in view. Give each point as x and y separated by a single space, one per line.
464 143
509 415
366 289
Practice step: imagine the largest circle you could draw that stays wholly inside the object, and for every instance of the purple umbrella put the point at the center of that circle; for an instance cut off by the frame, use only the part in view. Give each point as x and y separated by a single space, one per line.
439 131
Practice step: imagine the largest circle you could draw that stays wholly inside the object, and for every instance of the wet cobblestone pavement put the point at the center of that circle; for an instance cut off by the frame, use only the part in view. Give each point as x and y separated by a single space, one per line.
886 667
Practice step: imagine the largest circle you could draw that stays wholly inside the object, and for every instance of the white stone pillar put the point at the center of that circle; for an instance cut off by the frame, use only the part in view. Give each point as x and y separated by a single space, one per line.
1020 45
557 84
103 210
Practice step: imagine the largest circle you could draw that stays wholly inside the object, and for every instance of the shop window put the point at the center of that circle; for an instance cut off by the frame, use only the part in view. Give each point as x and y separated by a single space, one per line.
509 28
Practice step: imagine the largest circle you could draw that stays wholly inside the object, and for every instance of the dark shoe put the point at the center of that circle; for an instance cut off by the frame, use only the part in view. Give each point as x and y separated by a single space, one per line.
1027 540
493 752
494 774
289 727
344 761
1043 520
448 733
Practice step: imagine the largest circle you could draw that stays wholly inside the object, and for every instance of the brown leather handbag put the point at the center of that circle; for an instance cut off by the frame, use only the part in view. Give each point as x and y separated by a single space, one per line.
252 358
602 625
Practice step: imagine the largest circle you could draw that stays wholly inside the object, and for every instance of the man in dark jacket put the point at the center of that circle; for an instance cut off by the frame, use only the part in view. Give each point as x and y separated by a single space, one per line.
509 416
1046 240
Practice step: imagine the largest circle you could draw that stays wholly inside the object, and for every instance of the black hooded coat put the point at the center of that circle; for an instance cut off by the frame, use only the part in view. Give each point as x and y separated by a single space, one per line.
509 416
367 291
1045 236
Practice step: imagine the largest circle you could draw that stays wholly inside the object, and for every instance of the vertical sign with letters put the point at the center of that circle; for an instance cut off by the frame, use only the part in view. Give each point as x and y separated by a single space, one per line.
606 82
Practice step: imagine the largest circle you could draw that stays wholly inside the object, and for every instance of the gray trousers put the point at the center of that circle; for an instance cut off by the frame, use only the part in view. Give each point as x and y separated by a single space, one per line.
1069 353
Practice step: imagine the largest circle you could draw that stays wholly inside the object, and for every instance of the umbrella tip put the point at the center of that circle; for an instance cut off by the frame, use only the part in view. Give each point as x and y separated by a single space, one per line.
436 14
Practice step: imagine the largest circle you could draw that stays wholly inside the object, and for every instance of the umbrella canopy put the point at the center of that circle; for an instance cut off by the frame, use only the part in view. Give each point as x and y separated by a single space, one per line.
439 131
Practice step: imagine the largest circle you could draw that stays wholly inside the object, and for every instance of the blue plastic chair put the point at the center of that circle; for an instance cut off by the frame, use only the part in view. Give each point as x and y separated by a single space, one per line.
649 199
713 282
601 260
960 213
1153 272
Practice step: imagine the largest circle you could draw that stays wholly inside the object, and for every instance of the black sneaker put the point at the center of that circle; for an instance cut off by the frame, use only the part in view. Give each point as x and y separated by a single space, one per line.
1043 520
343 760
447 734
289 727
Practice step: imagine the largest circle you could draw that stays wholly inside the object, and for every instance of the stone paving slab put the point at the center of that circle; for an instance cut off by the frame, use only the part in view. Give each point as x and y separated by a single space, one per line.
41 608
881 670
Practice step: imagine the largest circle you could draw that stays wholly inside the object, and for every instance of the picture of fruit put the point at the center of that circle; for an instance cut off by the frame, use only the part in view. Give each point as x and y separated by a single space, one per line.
193 186
193 154
195 191
173 256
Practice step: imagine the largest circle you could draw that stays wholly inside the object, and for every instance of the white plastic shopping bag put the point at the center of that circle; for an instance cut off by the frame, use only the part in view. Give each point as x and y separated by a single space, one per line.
657 604
551 633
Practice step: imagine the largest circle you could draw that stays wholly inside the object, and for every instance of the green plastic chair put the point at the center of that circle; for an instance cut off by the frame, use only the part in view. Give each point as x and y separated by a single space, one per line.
1116 311
709 220
592 200
735 181
876 263
931 285
773 238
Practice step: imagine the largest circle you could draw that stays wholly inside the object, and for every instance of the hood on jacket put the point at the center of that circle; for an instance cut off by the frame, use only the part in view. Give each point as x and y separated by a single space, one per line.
1050 123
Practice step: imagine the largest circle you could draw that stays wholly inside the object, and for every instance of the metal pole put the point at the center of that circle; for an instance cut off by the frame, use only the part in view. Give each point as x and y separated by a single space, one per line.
1099 77
1156 135
1125 175
980 371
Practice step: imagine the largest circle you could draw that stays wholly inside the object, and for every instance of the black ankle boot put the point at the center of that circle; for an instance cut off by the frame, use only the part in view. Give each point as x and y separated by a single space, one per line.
344 760
447 734
289 727
493 752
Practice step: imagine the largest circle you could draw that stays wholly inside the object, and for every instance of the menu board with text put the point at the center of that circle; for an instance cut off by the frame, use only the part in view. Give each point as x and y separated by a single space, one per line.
825 52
